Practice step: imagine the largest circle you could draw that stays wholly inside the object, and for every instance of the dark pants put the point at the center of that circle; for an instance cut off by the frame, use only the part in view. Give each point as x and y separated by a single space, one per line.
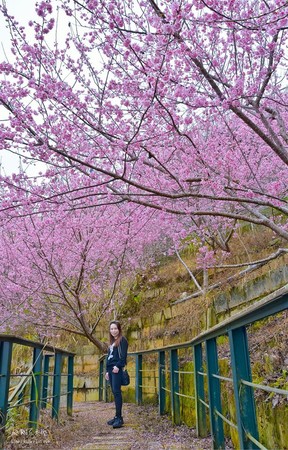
115 383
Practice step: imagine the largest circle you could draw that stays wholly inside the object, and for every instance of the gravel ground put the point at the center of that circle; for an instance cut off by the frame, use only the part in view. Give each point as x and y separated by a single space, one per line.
87 430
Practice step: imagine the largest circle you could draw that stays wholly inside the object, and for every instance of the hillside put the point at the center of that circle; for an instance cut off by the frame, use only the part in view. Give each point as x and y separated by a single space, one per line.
169 282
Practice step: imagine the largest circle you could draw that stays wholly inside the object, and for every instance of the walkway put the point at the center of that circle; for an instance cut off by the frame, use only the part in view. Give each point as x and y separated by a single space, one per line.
87 430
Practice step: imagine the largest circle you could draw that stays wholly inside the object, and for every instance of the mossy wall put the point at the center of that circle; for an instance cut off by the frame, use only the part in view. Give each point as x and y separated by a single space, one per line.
273 425
86 369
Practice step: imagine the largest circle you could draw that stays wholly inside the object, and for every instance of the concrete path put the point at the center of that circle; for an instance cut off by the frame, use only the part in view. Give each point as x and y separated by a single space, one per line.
144 429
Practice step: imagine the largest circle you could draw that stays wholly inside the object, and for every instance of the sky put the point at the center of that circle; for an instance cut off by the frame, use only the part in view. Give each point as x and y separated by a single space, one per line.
23 11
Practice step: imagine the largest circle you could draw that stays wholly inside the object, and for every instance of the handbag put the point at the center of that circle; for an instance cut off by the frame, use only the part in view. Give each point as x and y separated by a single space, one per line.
125 377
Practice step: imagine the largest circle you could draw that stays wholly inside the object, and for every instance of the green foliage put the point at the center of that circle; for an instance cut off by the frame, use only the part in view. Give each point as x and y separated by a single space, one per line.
17 418
222 340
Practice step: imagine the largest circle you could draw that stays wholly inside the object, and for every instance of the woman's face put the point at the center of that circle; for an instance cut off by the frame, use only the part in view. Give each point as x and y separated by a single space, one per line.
114 330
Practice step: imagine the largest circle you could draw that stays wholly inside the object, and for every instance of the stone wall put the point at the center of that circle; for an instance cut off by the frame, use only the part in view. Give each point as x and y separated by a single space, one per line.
86 369
186 318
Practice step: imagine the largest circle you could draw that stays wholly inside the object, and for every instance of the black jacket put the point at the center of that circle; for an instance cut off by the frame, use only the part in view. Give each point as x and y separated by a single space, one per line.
117 356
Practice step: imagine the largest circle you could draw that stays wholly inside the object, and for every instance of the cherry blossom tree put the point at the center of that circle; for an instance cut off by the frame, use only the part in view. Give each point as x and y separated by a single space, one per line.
169 116
65 271
48 278
176 106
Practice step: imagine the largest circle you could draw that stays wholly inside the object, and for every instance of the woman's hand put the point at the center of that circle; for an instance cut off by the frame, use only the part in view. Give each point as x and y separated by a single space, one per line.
106 376
115 369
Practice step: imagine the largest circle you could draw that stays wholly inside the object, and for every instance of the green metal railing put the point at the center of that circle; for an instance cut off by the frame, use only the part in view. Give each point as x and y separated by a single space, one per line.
207 376
38 376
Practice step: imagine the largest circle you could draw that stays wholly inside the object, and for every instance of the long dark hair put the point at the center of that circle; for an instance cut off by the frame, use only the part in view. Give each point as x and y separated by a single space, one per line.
116 341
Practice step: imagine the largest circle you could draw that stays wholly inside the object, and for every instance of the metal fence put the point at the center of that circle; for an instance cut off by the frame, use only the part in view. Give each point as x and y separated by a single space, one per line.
208 383
40 385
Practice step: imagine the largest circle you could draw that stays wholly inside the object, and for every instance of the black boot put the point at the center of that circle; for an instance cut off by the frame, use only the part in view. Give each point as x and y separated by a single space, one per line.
111 421
118 422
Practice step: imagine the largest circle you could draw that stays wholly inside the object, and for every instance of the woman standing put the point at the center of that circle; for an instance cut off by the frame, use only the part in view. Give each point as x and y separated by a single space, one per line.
116 360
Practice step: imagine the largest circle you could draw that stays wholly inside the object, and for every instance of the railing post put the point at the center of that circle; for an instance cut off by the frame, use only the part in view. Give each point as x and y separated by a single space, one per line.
244 395
162 382
45 381
214 390
201 424
56 385
174 382
101 380
5 365
35 395
70 387
138 380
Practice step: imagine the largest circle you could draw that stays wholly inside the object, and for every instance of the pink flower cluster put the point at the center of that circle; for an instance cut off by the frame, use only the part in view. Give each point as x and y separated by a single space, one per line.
44 8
